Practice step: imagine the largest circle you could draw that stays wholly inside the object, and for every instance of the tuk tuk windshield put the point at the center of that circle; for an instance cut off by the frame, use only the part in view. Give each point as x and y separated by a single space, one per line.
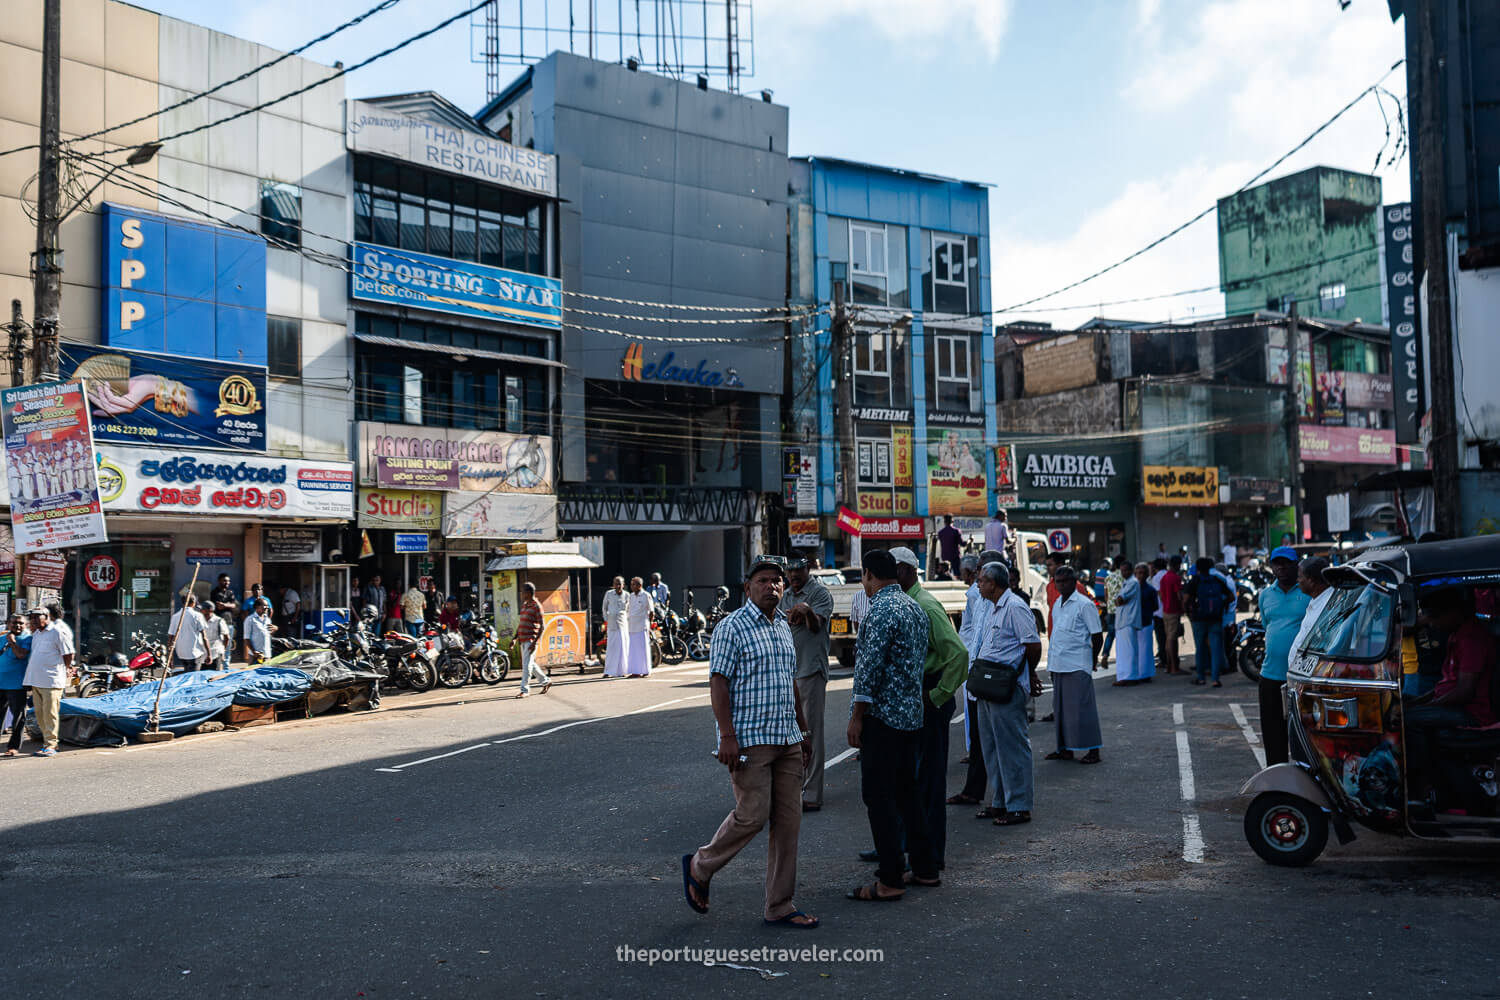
1355 626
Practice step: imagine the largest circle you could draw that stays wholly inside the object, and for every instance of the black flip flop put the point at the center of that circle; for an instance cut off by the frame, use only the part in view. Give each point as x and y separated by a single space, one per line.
790 920
689 884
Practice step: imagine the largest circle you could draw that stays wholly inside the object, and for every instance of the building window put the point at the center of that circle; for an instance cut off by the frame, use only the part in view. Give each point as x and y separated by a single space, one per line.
1331 297
283 346
871 259
867 263
950 275
412 209
281 212
872 463
955 372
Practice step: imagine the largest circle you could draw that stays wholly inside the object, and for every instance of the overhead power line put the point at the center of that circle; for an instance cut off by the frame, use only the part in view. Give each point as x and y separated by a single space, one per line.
1372 88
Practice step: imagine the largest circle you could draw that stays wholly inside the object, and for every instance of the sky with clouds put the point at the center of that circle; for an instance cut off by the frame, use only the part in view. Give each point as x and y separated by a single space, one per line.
1102 124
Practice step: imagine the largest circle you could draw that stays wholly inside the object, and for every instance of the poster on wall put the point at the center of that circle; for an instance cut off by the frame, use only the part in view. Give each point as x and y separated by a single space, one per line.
144 398
49 467
507 516
1307 404
903 458
507 605
955 471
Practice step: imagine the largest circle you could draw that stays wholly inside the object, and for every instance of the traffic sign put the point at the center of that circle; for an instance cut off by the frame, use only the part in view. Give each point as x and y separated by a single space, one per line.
102 573
1060 540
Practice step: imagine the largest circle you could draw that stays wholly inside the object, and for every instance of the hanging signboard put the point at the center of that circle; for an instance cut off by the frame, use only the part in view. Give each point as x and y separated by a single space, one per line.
213 483
45 569
955 471
804 533
49 467
1401 294
509 516
462 288
297 545
417 473
807 485
1180 486
1356 445
400 510
411 541
156 399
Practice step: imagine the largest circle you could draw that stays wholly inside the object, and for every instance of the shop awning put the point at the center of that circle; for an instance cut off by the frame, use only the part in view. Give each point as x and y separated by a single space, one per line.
468 352
541 560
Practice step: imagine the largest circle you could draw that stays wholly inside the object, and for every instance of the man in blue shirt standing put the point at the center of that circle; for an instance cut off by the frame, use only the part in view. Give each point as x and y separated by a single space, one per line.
1283 605
13 654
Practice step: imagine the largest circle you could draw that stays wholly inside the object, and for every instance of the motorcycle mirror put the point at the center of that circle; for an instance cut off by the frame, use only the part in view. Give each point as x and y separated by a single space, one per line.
1406 593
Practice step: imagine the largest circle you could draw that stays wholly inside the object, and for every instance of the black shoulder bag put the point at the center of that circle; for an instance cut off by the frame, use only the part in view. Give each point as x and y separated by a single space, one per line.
991 681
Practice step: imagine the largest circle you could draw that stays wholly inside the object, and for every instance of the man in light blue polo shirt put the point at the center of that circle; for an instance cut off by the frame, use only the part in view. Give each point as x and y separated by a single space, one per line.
1283 605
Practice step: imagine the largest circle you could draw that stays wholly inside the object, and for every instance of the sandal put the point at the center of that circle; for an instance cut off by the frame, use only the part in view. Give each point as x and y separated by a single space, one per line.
1218 684
691 885
1199 682
17 753
805 923
1013 819
962 800
1092 757
1059 755
989 812
910 878
871 894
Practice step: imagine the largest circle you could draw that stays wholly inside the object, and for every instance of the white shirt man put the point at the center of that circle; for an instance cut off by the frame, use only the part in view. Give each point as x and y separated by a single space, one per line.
1231 555
188 625
1076 637
258 632
1314 611
47 675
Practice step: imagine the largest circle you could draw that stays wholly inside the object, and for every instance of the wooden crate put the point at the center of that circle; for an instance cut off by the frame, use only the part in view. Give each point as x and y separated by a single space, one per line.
245 716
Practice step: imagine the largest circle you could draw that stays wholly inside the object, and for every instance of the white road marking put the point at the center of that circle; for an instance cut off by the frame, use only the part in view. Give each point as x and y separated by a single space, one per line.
398 768
1192 839
1251 736
841 758
1185 767
1192 831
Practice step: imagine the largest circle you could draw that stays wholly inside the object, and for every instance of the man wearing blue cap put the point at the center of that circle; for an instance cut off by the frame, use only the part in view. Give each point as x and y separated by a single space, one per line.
1283 605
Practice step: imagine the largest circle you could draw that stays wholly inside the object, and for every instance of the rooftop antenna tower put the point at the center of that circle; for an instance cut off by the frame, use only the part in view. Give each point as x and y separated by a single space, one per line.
683 39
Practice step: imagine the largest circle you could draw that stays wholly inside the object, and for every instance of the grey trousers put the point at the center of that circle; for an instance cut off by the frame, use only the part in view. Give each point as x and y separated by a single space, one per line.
1006 741
811 692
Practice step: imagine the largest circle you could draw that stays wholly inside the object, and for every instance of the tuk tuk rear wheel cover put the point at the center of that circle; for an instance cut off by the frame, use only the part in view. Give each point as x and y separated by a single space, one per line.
1286 829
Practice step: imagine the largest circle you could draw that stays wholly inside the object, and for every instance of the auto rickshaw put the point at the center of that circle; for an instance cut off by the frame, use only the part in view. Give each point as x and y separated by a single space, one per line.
1349 761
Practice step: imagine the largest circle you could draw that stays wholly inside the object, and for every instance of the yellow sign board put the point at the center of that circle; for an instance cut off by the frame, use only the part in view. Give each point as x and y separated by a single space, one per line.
1180 485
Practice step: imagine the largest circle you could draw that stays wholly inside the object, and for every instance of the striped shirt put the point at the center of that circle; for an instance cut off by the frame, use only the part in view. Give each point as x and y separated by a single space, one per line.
529 622
758 658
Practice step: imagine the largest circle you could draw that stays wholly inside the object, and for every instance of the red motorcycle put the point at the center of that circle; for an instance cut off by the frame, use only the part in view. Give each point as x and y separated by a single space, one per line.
116 674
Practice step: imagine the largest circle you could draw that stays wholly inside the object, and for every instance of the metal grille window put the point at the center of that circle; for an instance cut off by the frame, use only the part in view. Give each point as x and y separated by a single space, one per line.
281 212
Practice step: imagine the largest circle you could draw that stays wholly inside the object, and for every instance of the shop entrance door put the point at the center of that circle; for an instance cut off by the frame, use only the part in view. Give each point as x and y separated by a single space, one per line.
120 587
464 581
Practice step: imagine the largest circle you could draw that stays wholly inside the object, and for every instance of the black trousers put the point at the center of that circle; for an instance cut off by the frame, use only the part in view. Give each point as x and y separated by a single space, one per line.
888 780
1160 628
932 772
977 780
15 700
1273 735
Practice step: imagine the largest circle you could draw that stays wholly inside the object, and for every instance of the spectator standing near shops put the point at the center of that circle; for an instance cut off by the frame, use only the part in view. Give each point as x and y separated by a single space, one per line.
414 610
1283 606
226 603
374 596
291 611
14 653
1205 597
1169 591
47 669
808 605
217 638
258 632
950 541
997 532
187 625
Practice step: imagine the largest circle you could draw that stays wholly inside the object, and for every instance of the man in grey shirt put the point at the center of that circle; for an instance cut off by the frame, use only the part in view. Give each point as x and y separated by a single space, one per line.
808 605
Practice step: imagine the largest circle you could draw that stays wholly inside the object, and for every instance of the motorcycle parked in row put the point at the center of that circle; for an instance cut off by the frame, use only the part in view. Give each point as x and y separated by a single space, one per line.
1249 649
470 652
410 661
694 629
670 634
148 662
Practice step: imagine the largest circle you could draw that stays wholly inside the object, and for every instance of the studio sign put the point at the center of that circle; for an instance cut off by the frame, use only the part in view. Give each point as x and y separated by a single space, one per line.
1069 472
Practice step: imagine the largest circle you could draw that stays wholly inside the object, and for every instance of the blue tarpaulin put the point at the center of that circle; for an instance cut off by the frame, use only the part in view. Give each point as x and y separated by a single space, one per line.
190 699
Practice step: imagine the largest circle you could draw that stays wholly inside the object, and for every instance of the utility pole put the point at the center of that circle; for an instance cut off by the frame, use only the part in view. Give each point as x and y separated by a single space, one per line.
843 351
17 352
1432 223
1299 501
46 263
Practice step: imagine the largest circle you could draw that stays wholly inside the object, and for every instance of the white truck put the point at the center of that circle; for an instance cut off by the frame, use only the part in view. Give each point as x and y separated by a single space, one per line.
1031 553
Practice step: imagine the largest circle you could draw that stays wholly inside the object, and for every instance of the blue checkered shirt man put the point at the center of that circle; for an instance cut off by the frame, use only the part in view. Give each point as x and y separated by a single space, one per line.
756 655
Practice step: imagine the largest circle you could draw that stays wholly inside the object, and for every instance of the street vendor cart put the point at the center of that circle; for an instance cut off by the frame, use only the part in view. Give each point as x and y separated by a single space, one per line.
564 593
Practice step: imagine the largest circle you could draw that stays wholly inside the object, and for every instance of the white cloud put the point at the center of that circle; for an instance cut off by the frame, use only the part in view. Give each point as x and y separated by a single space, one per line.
956 23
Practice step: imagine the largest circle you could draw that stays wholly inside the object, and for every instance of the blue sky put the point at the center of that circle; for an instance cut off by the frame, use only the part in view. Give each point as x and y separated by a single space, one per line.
1101 123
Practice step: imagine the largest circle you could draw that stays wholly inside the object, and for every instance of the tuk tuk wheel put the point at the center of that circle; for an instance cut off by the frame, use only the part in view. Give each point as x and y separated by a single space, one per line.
1285 829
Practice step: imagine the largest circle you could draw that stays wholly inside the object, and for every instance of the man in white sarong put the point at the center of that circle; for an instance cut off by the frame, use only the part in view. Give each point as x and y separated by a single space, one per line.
1127 620
617 629
638 605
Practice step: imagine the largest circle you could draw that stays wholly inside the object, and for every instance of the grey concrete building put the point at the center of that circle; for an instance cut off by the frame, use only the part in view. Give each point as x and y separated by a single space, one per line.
673 199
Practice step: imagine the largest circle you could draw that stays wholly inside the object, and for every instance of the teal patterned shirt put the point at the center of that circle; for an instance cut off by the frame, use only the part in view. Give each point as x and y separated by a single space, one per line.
889 657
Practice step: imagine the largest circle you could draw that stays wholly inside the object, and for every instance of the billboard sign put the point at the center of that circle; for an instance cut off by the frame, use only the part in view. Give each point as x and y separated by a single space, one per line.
171 402
1401 298
473 461
505 516
460 287
181 482
49 467
955 471
1180 486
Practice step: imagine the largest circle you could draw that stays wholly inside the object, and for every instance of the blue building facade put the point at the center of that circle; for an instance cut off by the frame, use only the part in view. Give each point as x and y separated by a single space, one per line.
912 251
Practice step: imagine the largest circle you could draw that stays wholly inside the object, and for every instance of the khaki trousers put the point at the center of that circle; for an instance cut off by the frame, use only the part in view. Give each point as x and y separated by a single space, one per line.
767 788
48 704
812 692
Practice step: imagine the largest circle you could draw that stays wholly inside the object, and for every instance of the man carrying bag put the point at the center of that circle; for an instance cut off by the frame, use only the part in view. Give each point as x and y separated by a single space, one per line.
1002 678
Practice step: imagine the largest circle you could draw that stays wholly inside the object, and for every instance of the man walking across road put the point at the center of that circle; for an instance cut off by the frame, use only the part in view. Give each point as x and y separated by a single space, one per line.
1072 656
1283 606
47 670
1009 638
884 724
763 740
943 670
528 631
1158 624
1206 596
617 628
1169 592
808 605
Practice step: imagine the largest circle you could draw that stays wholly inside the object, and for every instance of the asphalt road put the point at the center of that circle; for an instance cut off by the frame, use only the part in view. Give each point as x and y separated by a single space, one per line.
464 844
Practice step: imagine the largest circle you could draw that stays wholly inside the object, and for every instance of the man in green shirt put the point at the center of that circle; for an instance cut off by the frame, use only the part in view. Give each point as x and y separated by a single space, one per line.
946 667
